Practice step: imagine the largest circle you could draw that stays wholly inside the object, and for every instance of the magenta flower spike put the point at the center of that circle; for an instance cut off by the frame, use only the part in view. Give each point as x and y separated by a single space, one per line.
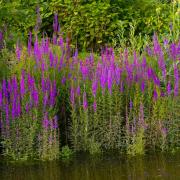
72 96
7 115
35 96
110 81
1 98
61 42
45 100
51 58
22 86
103 78
168 88
78 91
53 91
176 80
144 63
85 103
142 86
155 95
94 87
173 51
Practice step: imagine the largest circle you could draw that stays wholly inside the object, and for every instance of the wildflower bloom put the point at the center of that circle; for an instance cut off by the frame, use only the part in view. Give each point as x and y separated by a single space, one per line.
1 97
22 85
78 91
155 95
94 87
168 88
176 81
72 98
85 104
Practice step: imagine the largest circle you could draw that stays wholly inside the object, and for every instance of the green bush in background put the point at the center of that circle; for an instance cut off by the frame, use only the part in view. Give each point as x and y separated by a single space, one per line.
90 24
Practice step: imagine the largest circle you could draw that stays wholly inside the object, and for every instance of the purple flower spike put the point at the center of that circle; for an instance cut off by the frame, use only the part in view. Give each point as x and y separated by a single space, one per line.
110 81
142 86
22 86
168 88
1 98
72 96
94 87
85 104
35 96
155 95
78 91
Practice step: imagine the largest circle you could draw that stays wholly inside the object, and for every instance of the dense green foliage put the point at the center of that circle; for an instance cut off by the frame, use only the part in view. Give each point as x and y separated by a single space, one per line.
89 24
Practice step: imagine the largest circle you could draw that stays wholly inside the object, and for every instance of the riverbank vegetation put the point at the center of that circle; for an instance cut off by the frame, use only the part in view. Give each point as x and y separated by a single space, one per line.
92 85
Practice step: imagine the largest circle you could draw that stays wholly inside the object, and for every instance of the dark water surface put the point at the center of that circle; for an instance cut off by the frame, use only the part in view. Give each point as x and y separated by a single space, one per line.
156 166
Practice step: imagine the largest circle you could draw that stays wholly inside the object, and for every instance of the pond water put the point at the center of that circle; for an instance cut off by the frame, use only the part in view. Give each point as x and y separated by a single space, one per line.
83 167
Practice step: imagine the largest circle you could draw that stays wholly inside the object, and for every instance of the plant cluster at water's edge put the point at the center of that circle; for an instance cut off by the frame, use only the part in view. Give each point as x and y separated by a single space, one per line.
52 97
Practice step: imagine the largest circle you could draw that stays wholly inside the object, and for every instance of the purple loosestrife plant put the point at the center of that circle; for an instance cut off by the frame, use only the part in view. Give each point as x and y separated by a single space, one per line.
168 88
22 85
1 98
110 81
72 96
85 103
176 80
94 87
78 91
155 95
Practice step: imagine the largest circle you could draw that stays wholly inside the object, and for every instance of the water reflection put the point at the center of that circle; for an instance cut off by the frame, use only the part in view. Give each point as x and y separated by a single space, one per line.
100 168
